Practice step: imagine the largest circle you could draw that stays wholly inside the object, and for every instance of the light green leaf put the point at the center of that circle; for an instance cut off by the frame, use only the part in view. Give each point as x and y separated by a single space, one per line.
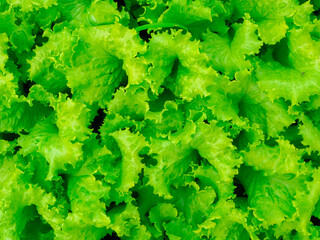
271 117
194 15
283 158
96 64
279 81
271 197
125 221
45 140
172 163
46 67
269 15
272 31
89 13
88 211
123 99
130 145
309 133
214 145
228 54
162 213
172 50
30 5
72 120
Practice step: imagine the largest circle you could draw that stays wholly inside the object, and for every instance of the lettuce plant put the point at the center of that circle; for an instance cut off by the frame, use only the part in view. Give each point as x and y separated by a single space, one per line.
159 119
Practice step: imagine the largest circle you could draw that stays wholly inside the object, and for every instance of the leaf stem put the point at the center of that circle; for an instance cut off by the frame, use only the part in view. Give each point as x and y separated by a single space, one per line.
160 25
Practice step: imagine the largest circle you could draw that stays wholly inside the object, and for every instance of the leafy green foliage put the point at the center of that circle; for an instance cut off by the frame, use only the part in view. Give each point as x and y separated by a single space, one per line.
151 119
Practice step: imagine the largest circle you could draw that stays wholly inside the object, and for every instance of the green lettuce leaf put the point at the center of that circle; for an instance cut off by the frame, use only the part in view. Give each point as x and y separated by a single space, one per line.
283 158
172 162
30 5
130 145
96 64
122 103
178 56
228 53
44 140
46 67
72 127
125 221
271 197
87 218
299 86
89 13
269 15
221 154
18 196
